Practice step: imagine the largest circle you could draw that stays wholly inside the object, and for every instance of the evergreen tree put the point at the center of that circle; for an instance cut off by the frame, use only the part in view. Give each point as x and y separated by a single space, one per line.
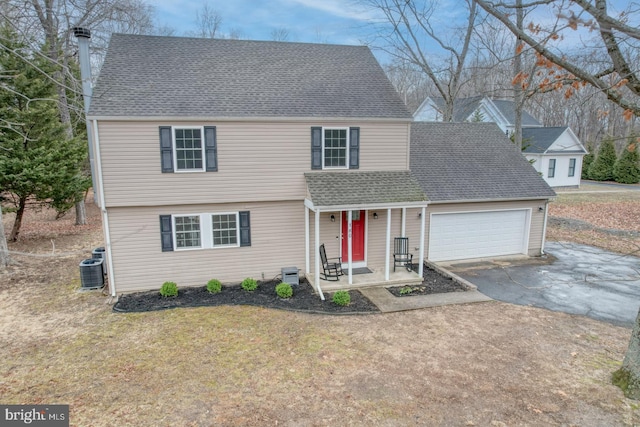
38 161
587 160
602 167
627 168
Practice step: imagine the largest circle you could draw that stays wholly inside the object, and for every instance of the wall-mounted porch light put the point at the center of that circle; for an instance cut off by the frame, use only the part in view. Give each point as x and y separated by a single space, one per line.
375 215
540 208
333 218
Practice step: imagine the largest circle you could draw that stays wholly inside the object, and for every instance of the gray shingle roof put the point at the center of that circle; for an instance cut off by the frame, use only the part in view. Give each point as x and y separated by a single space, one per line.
363 187
471 161
464 107
508 110
538 140
147 76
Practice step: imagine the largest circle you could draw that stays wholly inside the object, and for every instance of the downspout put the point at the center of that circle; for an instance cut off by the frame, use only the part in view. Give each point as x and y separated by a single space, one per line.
105 215
83 35
544 227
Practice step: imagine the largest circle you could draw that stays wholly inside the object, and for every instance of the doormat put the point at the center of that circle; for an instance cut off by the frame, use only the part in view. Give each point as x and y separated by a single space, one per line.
360 270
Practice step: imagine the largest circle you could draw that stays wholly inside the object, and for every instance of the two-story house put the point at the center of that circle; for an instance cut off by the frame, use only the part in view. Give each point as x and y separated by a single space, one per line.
230 159
555 152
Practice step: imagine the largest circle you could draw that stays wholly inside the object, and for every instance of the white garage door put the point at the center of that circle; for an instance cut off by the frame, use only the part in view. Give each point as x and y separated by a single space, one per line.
454 236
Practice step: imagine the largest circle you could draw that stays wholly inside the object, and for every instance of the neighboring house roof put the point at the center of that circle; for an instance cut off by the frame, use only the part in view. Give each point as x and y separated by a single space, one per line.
464 108
540 140
151 76
471 161
363 188
508 110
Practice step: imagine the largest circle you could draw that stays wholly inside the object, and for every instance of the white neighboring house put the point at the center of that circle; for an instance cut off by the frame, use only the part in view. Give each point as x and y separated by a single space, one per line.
557 151
557 154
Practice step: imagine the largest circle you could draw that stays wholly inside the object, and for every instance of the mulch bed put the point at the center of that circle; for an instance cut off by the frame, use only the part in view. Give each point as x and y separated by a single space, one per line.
434 283
304 299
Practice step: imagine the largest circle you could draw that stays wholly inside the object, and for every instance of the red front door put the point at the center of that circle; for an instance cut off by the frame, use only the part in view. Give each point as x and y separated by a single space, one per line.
357 236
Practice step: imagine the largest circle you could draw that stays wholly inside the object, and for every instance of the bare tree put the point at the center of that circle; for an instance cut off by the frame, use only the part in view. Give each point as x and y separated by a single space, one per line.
208 23
407 27
4 249
280 34
618 40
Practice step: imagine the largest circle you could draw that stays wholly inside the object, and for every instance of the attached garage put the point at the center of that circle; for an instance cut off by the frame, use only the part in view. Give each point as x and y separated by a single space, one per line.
465 235
485 198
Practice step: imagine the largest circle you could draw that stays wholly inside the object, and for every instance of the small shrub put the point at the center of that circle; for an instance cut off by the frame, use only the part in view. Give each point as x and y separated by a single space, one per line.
406 290
214 286
284 290
341 298
249 284
169 289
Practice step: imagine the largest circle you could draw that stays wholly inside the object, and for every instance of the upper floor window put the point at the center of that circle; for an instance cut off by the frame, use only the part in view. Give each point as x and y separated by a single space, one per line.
225 229
188 145
335 151
572 167
188 149
552 168
335 148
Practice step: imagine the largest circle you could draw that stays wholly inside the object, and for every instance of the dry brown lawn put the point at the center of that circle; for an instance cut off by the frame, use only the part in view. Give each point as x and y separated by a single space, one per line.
489 364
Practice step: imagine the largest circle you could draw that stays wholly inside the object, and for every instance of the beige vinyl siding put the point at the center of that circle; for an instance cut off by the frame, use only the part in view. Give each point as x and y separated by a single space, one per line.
277 240
257 161
535 231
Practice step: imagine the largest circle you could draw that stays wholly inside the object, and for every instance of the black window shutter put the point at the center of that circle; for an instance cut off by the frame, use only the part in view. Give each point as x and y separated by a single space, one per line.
245 229
316 148
166 149
211 148
354 148
166 233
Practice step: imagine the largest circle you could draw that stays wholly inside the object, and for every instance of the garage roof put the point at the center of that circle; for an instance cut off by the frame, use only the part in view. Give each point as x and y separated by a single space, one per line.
471 161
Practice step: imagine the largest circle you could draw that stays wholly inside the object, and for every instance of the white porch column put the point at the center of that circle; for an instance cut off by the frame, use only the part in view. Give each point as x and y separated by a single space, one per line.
317 253
350 244
422 223
404 222
307 263
387 246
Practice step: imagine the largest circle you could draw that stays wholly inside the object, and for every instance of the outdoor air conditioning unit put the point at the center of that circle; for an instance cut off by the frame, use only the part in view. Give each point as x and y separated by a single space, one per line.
91 275
99 253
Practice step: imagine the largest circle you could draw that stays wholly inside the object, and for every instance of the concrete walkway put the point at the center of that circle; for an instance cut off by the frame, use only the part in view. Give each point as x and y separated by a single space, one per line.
388 303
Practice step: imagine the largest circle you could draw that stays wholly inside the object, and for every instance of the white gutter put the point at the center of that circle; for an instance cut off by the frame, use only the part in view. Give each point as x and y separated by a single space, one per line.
442 202
103 210
544 226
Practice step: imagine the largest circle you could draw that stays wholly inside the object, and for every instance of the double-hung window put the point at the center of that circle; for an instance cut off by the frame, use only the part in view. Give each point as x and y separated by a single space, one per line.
552 168
572 167
189 149
205 230
187 231
335 148
225 229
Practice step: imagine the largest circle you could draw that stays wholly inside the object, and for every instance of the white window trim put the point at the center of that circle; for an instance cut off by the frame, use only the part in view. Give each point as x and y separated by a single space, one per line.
237 244
175 237
346 166
175 152
206 230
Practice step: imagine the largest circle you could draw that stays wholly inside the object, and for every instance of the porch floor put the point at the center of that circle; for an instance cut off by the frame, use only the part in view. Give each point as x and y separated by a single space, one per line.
400 277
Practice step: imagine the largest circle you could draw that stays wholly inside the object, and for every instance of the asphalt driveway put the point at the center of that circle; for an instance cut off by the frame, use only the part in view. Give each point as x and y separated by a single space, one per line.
576 279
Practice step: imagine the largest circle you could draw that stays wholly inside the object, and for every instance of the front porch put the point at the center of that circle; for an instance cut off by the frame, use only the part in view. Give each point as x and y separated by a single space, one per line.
363 212
400 277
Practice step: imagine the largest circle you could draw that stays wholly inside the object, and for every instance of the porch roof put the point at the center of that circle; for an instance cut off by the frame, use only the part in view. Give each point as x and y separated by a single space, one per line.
364 188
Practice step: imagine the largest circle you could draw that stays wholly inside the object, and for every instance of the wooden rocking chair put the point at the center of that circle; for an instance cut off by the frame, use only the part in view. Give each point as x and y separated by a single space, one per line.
401 255
331 270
